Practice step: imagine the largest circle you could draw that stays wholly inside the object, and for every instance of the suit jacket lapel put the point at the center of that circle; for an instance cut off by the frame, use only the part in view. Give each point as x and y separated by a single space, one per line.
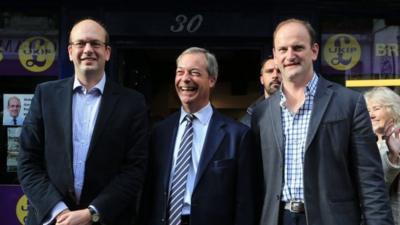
169 150
64 94
215 135
321 100
108 101
274 113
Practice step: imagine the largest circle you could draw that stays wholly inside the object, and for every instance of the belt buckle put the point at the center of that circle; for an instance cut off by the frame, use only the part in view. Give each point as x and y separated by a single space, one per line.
296 207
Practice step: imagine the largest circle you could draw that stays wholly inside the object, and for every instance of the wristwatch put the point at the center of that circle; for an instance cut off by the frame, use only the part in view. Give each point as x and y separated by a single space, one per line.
94 215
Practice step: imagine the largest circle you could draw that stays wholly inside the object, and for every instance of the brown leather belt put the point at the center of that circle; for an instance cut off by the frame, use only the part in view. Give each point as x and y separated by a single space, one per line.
294 207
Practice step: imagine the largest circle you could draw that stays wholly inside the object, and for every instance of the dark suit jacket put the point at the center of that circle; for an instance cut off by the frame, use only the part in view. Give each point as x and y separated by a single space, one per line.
343 179
116 160
225 191
246 119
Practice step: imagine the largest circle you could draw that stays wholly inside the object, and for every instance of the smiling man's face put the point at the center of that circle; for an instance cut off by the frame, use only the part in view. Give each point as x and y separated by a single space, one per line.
293 51
193 84
88 49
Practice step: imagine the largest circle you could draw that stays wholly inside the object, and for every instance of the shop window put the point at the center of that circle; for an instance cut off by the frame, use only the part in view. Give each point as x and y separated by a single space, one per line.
364 51
28 56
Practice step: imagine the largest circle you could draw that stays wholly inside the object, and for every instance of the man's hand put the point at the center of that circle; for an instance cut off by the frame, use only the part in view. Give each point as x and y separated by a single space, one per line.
392 137
78 217
61 213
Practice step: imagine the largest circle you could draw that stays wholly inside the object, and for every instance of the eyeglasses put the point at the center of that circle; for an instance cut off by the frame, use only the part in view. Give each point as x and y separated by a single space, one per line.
93 43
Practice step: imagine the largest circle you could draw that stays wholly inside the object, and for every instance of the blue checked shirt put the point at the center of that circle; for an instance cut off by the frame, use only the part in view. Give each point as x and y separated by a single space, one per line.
295 128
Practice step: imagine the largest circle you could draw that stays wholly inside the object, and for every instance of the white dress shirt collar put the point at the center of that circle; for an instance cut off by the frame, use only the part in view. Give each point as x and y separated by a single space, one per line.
203 115
99 86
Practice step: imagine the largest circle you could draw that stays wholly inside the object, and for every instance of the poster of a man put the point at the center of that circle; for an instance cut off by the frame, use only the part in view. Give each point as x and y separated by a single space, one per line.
15 108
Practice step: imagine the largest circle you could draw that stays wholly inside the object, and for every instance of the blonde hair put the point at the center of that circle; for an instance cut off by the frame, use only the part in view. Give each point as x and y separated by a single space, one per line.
386 97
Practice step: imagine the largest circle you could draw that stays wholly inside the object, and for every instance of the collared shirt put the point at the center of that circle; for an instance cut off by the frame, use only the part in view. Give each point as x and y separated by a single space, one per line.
10 121
85 106
295 127
200 126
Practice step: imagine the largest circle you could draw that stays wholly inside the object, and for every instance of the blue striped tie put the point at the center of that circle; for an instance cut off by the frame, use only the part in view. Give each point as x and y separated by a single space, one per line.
181 170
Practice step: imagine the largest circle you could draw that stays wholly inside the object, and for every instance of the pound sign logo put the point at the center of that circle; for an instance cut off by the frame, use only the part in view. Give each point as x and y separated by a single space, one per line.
36 54
22 209
342 52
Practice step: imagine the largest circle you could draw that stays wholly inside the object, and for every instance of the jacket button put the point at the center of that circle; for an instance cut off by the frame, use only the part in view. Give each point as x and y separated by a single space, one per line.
162 220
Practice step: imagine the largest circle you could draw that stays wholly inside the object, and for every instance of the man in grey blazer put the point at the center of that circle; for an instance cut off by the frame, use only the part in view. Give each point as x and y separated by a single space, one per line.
320 160
270 79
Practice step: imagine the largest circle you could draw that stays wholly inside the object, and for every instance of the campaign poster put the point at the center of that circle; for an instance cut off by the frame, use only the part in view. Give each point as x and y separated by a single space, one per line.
15 108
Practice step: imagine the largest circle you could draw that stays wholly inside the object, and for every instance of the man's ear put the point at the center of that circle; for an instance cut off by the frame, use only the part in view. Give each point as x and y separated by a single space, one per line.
212 81
70 52
315 50
108 53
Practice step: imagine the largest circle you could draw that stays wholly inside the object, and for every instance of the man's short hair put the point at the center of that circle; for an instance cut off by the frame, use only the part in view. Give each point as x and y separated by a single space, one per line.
212 64
306 24
269 57
107 37
11 98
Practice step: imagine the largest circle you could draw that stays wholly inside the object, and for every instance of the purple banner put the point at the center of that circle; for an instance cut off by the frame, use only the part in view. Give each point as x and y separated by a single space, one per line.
36 55
13 205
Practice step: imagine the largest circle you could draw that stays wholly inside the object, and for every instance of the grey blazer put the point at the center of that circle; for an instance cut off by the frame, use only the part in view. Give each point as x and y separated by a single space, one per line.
343 178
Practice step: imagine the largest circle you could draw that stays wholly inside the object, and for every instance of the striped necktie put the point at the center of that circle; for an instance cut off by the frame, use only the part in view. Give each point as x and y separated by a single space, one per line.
181 170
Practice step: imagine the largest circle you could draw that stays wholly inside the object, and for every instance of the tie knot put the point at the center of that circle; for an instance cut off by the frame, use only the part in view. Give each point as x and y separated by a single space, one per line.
189 117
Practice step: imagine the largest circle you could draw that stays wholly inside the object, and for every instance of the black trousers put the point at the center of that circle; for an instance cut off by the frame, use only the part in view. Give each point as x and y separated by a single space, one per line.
185 220
289 218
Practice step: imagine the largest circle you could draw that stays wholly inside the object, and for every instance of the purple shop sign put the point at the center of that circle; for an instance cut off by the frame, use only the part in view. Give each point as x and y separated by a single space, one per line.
13 205
35 55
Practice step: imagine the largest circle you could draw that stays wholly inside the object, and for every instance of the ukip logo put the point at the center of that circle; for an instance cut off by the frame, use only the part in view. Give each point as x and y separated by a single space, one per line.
36 54
22 209
342 52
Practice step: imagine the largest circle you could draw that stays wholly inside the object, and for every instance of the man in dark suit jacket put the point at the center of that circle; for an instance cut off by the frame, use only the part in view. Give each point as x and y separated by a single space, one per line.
219 187
320 159
84 141
270 79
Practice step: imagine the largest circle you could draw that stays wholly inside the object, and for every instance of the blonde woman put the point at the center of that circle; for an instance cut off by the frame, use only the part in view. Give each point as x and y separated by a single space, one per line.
384 109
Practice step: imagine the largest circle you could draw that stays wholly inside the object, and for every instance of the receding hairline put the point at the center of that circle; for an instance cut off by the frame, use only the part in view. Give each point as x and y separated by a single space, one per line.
305 24
13 98
179 59
191 53
100 24
210 59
